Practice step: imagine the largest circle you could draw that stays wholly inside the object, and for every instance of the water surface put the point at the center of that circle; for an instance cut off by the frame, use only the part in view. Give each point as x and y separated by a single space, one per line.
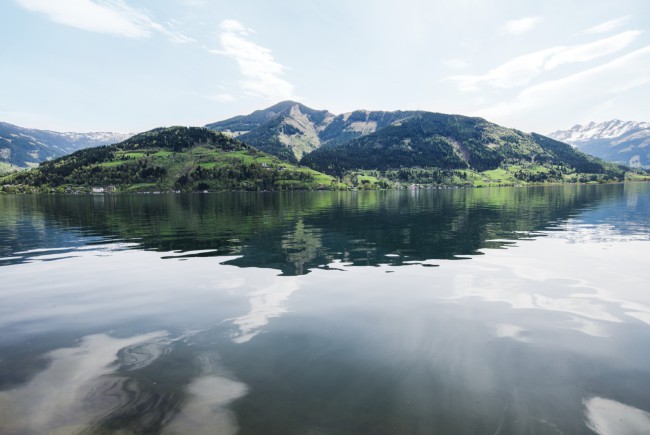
447 311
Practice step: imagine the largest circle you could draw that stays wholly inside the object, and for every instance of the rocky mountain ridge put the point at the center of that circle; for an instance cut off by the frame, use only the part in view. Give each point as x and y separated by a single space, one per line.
291 130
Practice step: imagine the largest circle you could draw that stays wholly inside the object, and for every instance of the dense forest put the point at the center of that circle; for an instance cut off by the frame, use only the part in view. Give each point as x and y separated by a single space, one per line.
448 142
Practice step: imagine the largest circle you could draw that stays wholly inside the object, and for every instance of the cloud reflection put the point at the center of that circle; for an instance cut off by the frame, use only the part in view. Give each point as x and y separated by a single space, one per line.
266 303
517 333
206 411
609 417
594 301
101 386
56 397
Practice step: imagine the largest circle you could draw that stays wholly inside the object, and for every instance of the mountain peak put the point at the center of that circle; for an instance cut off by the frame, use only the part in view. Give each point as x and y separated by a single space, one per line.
284 104
290 129
281 107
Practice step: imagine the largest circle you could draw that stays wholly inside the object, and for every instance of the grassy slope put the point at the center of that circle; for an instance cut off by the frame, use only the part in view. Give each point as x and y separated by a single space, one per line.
492 178
7 168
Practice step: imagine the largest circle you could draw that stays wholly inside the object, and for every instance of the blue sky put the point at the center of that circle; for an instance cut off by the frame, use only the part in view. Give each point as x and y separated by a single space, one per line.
129 66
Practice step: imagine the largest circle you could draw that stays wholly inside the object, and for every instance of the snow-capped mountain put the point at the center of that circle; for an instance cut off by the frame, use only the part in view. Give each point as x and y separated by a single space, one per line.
26 147
626 142
603 130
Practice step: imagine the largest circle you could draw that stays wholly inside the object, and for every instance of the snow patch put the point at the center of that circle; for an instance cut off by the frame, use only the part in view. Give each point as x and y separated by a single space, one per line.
603 130
364 128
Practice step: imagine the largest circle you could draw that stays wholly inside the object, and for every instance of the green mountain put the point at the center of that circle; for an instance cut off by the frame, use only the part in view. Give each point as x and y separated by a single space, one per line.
290 130
376 148
361 149
26 147
163 159
463 144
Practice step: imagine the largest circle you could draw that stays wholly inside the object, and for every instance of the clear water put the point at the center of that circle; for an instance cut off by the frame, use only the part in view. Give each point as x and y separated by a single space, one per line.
506 311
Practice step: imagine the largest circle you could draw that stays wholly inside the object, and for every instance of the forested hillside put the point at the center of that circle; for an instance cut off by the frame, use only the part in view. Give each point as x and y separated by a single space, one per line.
454 142
175 158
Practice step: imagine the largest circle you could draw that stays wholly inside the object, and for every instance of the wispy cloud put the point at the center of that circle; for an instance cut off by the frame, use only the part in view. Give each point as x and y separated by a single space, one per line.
174 36
607 25
193 2
570 95
262 73
521 70
114 17
522 25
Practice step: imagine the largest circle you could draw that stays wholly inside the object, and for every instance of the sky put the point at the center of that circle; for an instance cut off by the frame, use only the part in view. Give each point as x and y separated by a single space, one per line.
129 66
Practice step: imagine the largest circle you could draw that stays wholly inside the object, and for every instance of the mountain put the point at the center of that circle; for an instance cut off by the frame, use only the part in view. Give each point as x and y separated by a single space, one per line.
291 130
625 142
287 130
362 149
163 159
455 142
390 142
26 147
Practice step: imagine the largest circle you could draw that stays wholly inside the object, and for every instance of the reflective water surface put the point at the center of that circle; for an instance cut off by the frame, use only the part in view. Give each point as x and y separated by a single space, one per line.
506 311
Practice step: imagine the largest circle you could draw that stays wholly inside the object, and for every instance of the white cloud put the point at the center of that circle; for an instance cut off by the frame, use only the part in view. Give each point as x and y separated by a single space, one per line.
576 96
262 73
193 2
592 50
114 17
174 36
521 70
233 26
522 25
515 72
607 25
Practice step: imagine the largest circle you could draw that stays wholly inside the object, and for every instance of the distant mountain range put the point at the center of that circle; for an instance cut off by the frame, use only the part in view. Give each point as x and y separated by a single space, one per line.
360 149
625 142
26 147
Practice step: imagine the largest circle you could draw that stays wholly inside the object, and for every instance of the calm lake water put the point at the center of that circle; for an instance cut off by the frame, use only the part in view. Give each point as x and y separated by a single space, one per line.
496 311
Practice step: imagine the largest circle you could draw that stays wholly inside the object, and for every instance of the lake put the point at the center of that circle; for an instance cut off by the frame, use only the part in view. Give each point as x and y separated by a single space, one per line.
457 311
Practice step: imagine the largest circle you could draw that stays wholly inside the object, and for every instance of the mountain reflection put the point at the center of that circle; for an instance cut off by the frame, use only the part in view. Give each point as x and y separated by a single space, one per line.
299 231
